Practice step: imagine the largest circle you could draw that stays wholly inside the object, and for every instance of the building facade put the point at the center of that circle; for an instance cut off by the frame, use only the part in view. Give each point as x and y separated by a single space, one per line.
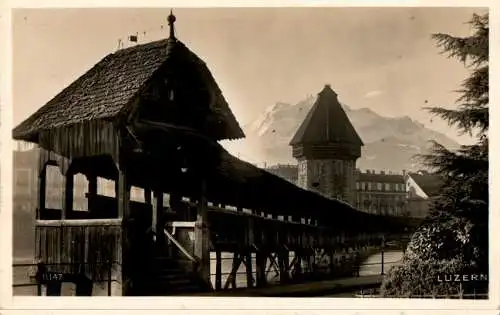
285 171
327 146
381 193
423 188
24 180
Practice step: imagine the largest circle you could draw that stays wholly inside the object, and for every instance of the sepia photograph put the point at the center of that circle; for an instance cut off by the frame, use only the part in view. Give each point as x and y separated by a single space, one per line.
336 152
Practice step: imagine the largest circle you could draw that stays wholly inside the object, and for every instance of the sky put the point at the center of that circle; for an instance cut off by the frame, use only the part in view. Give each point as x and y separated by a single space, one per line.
380 58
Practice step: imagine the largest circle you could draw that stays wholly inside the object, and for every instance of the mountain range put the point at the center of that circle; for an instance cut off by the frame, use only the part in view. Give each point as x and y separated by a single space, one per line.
390 143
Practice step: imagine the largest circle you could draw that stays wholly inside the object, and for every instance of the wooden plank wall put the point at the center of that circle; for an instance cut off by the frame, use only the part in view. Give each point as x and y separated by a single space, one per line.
92 246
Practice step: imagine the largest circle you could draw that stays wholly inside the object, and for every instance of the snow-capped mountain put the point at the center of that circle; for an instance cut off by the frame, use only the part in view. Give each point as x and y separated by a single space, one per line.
390 143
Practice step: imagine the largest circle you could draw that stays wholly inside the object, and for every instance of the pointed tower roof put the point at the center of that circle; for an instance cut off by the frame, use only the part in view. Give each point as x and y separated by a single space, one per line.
326 123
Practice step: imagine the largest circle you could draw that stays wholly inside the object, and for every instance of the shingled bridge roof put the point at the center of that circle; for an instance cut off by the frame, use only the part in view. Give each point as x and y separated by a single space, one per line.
109 88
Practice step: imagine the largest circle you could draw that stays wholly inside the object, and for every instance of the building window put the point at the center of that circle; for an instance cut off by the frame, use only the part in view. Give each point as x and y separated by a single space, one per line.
357 185
379 186
387 186
363 186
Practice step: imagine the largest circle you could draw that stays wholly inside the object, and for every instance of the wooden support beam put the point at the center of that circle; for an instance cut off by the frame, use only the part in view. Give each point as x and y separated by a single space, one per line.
274 265
291 265
41 191
298 264
92 191
261 262
202 236
218 270
231 279
68 194
156 219
331 264
54 288
147 196
281 267
284 263
250 241
249 269
123 200
122 188
92 179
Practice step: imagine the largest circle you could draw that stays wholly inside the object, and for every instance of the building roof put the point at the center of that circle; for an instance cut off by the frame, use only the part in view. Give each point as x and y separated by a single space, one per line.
381 178
429 183
263 188
110 87
326 122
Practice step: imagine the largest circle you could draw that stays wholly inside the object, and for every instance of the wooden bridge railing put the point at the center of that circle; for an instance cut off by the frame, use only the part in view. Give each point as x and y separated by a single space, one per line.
292 249
91 248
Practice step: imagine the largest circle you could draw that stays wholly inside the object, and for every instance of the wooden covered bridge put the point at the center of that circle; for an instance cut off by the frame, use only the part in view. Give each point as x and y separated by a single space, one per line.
151 116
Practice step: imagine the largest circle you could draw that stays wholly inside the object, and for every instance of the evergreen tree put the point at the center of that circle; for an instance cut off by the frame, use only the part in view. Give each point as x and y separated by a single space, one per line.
454 238
466 170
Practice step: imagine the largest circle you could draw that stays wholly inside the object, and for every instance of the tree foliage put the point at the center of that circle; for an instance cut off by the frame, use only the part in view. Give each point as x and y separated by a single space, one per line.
454 238
472 112
446 245
465 170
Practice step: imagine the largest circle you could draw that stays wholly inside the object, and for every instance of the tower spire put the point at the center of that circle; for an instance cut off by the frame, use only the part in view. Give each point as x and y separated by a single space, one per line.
171 20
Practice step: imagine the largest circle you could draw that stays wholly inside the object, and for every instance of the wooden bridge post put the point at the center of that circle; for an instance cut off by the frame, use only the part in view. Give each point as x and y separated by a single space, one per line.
296 234
41 191
202 237
218 270
382 254
249 245
92 187
331 265
127 256
261 259
147 196
234 269
156 216
309 256
67 207
283 254
260 268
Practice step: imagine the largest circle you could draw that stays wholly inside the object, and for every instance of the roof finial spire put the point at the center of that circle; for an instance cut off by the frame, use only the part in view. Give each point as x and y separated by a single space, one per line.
171 21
